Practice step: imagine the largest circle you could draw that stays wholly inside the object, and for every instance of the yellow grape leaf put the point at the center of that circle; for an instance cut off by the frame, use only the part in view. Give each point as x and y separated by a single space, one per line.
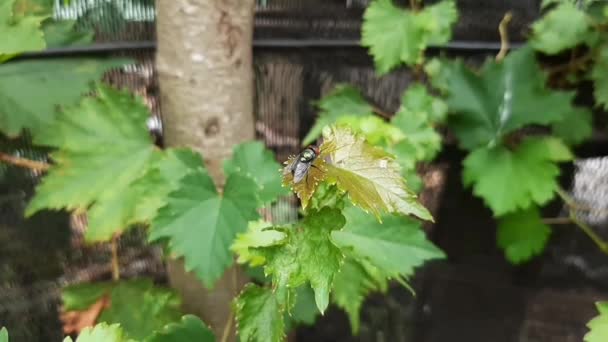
306 187
371 177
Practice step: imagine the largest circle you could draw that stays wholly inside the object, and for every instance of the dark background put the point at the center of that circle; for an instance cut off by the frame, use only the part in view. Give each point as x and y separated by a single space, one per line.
302 49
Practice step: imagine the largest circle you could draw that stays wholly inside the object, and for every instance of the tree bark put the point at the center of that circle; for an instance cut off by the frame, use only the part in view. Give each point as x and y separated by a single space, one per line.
204 62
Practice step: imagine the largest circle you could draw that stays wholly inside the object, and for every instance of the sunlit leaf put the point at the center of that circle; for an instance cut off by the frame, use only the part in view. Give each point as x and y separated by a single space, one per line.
341 101
31 90
598 326
395 35
103 139
254 160
256 236
522 235
190 328
502 98
563 27
370 176
307 255
375 130
19 33
259 315
512 179
200 224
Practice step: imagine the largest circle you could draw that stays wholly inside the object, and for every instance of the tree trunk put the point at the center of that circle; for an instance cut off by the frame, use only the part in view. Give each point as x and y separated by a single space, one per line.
204 62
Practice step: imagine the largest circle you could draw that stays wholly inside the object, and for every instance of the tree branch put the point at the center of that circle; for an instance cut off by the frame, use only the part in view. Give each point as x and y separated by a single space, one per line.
504 36
23 162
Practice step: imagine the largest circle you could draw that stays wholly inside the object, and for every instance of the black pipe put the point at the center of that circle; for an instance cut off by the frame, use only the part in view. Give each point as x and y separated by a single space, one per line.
101 48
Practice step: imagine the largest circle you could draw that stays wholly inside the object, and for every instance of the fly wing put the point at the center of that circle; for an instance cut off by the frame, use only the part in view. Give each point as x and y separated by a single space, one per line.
300 171
290 167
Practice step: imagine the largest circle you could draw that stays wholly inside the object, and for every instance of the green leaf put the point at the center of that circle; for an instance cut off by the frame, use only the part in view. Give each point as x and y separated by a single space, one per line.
304 310
105 139
19 33
101 333
63 33
79 297
522 235
252 159
509 180
138 306
502 98
33 7
394 35
141 308
341 101
141 200
397 246
599 325
575 127
599 75
259 315
51 83
190 328
563 27
415 120
417 99
370 176
201 224
352 285
257 235
375 130
307 255
3 335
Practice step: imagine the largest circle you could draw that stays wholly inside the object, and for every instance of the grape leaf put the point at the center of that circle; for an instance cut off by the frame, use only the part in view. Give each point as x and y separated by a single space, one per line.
3 335
395 35
307 255
504 97
138 306
599 75
307 187
259 315
141 200
63 33
304 310
509 180
522 235
343 100
52 83
396 246
254 160
370 176
352 284
19 33
575 127
105 139
33 7
190 328
415 121
256 236
201 224
417 99
375 130
101 333
599 325
563 27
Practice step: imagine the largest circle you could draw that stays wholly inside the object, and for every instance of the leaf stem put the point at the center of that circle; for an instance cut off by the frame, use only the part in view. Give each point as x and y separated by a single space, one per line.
504 36
115 263
601 244
414 5
381 113
23 162
557 220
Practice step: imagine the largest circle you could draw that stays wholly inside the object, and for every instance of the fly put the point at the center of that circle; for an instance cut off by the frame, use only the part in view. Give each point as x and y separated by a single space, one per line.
302 163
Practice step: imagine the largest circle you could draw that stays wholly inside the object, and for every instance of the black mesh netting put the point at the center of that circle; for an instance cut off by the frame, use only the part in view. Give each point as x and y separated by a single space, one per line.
302 49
